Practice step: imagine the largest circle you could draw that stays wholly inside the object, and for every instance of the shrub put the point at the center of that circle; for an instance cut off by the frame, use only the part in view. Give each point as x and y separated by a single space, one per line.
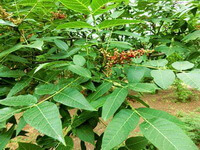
87 55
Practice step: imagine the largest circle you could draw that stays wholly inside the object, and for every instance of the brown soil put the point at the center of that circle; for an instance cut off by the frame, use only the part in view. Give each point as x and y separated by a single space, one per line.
163 100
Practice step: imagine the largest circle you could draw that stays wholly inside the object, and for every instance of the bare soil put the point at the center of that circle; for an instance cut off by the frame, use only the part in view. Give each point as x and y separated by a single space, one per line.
165 100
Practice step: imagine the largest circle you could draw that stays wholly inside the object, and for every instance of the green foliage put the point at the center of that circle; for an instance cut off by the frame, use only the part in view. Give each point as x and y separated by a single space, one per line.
48 122
136 143
87 55
21 100
182 93
28 146
167 133
163 78
121 125
192 125
113 102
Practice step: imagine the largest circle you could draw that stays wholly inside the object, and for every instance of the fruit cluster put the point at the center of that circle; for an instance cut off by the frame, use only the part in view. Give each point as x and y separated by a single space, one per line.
58 15
7 16
123 57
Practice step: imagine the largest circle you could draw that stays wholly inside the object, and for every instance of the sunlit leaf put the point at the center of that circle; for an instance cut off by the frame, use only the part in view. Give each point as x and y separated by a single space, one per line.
77 5
113 102
192 79
75 25
182 65
119 128
45 118
170 136
73 98
21 100
117 22
163 78
80 71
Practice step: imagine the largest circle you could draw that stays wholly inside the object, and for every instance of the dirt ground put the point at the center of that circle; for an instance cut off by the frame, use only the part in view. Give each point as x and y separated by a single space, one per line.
163 100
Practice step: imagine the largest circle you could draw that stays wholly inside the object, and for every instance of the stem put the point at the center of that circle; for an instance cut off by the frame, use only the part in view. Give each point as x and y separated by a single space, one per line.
102 122
55 93
109 38
17 9
31 10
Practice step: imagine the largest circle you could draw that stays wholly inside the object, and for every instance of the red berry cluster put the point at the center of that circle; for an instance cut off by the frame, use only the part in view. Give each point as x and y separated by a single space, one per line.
58 15
123 57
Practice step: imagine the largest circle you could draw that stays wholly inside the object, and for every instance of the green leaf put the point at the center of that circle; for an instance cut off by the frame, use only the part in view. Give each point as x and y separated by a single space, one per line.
45 118
28 2
69 144
120 44
73 98
165 49
98 6
192 36
28 146
116 14
119 128
6 23
150 113
126 33
84 130
20 85
4 90
2 124
36 44
117 22
135 74
79 60
136 143
77 5
99 102
46 89
6 72
157 63
51 65
123 148
113 102
13 49
143 87
64 55
83 117
21 100
80 71
5 137
7 112
90 85
15 58
182 65
139 100
75 25
62 45
47 142
22 123
166 135
195 71
192 79
100 91
106 8
163 78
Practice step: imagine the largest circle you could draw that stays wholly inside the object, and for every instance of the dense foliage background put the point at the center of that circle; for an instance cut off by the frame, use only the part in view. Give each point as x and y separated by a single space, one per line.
57 55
